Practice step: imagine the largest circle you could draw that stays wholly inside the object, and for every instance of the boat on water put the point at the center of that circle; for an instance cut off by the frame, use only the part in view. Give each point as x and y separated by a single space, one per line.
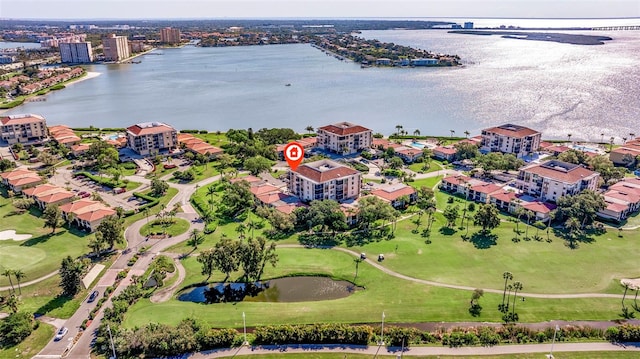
287 84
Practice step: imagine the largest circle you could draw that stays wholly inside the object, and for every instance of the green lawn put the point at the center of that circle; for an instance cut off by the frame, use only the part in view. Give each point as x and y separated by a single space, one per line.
213 138
178 227
31 345
401 300
171 192
427 182
420 167
42 253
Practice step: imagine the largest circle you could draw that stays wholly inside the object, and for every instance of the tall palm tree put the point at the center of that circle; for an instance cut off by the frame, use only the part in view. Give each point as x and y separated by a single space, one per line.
195 237
507 277
611 143
632 135
552 216
516 287
19 274
569 137
602 138
8 273
211 190
528 214
416 132
252 226
467 133
398 128
309 129
452 132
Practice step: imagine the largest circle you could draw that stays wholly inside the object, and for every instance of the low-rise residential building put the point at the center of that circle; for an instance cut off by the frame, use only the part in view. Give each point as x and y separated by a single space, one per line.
344 138
149 138
398 195
551 180
197 146
445 153
48 194
324 179
20 178
64 135
481 192
307 144
86 214
518 140
25 129
627 154
504 200
622 199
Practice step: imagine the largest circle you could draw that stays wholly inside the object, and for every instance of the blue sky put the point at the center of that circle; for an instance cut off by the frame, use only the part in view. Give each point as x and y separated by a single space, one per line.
163 9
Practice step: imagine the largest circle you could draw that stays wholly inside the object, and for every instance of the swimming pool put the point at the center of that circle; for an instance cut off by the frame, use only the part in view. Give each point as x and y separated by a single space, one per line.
585 148
418 145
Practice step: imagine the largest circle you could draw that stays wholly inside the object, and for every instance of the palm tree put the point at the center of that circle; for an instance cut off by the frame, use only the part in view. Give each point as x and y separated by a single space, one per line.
241 229
528 214
195 237
252 226
309 128
602 138
467 133
19 274
12 303
398 128
516 287
416 132
519 211
569 137
211 190
452 132
632 135
8 273
507 277
611 143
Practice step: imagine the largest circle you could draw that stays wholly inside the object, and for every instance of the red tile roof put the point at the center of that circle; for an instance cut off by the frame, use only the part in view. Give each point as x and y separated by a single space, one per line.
457 180
268 198
18 173
24 181
486 188
446 150
393 193
572 175
626 151
288 208
324 170
96 214
149 128
263 189
253 180
512 131
625 196
344 128
55 197
538 207
34 191
616 207
21 119
79 206
504 196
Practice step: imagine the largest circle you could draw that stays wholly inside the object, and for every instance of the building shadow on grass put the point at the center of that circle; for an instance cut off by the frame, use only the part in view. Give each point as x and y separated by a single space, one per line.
55 303
483 240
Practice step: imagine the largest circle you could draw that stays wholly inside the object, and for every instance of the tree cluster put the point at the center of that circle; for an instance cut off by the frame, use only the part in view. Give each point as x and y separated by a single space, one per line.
71 272
236 199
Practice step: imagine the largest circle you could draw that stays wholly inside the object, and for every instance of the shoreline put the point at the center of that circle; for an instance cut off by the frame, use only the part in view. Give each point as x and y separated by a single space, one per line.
89 75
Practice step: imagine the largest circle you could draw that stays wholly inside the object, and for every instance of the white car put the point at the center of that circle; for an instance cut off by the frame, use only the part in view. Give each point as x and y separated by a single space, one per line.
61 333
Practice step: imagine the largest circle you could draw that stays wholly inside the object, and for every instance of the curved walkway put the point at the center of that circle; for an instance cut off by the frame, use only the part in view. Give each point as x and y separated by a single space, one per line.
165 294
26 284
418 351
454 286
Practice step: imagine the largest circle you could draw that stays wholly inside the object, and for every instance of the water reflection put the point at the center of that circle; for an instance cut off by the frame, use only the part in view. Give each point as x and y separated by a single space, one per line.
289 289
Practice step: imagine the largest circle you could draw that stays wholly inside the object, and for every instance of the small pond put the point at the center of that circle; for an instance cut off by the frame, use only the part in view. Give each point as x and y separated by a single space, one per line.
289 289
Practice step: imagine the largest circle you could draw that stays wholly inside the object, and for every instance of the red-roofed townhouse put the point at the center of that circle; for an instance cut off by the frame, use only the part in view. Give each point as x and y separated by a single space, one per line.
344 138
456 184
20 178
399 196
481 192
324 179
503 199
409 154
445 153
87 214
624 156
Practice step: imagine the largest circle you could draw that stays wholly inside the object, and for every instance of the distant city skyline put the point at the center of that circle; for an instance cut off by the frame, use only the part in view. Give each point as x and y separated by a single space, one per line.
201 9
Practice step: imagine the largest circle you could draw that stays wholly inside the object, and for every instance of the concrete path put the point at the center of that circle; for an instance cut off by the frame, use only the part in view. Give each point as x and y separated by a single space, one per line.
28 283
417 351
165 294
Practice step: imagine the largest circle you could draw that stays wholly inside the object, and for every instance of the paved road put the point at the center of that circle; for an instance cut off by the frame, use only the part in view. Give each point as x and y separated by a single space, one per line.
419 351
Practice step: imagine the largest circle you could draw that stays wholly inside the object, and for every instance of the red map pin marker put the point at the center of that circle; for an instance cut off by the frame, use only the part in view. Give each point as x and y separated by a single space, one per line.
294 154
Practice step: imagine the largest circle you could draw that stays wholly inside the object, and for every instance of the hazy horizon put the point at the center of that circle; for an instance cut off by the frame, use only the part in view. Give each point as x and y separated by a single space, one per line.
315 9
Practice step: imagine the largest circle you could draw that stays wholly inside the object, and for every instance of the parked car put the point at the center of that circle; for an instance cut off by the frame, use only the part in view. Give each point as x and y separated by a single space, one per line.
93 296
85 195
81 193
61 333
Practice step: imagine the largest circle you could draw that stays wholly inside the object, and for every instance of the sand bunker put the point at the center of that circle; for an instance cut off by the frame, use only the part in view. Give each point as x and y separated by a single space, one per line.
11 234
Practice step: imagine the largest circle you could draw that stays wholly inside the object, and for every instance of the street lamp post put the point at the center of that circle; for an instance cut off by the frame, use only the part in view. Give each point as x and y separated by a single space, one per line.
244 325
382 330
550 355
111 340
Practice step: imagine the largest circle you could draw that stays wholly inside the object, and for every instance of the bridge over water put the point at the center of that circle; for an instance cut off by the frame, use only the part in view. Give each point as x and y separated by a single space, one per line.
616 28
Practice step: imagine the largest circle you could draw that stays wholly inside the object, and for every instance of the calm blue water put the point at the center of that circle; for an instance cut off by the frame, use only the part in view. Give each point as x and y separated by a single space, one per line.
12 45
555 88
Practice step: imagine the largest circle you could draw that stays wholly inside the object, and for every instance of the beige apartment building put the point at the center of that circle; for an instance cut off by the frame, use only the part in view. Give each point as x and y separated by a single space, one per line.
344 138
324 179
518 140
152 138
553 179
170 36
26 129
115 48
